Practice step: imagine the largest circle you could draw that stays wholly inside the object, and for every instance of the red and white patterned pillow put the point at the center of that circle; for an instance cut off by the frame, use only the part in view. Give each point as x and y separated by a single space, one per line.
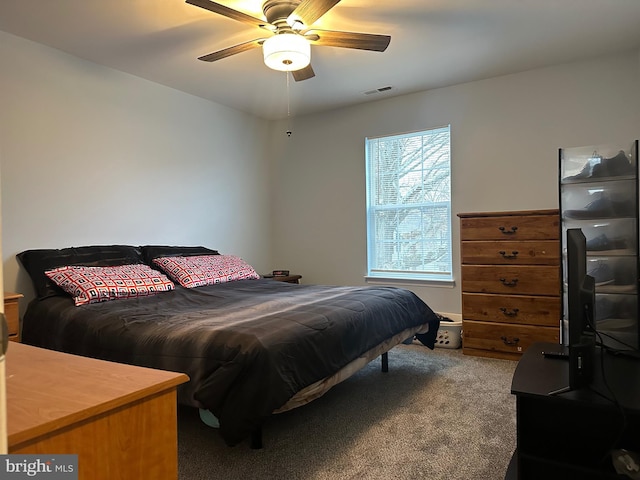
199 270
99 284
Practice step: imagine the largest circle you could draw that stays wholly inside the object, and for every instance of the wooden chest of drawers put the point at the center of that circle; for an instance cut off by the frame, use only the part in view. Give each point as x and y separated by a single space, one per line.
510 281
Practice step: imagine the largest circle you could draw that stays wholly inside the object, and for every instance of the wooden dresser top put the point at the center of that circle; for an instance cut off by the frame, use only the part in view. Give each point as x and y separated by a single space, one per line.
518 213
49 390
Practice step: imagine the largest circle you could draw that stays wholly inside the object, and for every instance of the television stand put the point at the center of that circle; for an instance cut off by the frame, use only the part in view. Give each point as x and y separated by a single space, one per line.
571 434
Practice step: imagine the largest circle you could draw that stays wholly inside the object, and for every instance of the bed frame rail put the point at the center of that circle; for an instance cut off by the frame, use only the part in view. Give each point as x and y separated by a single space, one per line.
256 436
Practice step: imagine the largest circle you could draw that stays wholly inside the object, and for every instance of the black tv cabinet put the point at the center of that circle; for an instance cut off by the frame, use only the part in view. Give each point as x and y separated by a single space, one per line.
571 434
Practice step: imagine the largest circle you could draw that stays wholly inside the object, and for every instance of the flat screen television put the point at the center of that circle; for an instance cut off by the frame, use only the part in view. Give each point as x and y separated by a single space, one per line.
580 311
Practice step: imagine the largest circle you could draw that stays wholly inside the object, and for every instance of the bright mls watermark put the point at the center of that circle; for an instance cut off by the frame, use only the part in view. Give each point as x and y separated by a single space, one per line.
50 467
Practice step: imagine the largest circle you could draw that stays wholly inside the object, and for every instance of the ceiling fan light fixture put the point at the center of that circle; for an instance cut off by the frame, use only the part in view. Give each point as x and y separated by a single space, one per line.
286 52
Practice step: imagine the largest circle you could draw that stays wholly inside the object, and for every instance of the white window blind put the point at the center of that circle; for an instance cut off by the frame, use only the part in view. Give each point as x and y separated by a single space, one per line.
409 205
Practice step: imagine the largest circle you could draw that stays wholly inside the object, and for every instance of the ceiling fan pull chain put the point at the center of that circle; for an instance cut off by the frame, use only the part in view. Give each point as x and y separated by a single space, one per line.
288 107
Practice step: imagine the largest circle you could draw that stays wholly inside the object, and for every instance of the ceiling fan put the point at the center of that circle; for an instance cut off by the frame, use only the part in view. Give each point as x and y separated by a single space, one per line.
288 48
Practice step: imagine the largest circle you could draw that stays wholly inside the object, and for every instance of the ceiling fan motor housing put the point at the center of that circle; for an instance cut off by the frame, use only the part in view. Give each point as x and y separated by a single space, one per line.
277 11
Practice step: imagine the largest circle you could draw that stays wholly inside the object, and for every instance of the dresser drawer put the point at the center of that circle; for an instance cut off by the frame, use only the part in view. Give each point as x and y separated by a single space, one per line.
11 312
503 337
527 252
528 227
511 279
522 309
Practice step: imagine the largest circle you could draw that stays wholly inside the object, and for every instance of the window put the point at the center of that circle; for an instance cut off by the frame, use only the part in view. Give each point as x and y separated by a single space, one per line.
409 205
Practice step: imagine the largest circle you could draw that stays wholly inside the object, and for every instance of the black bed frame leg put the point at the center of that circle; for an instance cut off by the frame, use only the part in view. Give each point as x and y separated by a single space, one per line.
385 362
256 439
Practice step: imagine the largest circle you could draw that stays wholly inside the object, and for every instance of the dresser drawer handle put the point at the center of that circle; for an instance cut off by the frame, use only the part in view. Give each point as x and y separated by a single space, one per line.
508 232
509 313
513 341
511 283
513 254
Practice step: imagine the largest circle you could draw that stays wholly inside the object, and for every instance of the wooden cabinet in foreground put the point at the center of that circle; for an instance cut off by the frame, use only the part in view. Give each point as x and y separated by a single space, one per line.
510 281
121 420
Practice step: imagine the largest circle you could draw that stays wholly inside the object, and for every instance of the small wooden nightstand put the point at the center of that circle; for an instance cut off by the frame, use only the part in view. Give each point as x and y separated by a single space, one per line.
288 278
11 312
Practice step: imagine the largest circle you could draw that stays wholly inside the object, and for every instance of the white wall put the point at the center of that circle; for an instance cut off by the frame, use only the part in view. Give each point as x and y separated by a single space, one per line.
90 155
506 133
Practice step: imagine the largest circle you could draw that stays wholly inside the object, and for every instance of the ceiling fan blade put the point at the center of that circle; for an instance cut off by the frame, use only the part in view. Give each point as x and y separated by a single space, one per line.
231 13
361 41
308 11
303 74
227 52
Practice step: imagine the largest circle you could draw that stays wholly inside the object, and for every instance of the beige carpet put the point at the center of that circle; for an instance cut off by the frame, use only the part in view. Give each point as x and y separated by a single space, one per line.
436 415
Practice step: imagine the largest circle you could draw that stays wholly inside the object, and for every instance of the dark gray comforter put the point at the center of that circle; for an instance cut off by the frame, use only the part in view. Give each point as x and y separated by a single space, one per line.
247 346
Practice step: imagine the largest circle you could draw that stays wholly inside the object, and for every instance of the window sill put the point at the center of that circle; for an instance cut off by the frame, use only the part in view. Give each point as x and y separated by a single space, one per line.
410 281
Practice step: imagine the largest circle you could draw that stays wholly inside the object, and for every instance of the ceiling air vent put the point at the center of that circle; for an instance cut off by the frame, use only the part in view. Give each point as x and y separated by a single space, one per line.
378 90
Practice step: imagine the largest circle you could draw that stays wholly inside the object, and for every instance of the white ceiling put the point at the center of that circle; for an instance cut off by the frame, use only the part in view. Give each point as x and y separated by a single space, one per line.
434 43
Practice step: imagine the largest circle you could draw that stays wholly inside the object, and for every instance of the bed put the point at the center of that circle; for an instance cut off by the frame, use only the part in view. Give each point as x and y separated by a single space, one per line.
251 346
